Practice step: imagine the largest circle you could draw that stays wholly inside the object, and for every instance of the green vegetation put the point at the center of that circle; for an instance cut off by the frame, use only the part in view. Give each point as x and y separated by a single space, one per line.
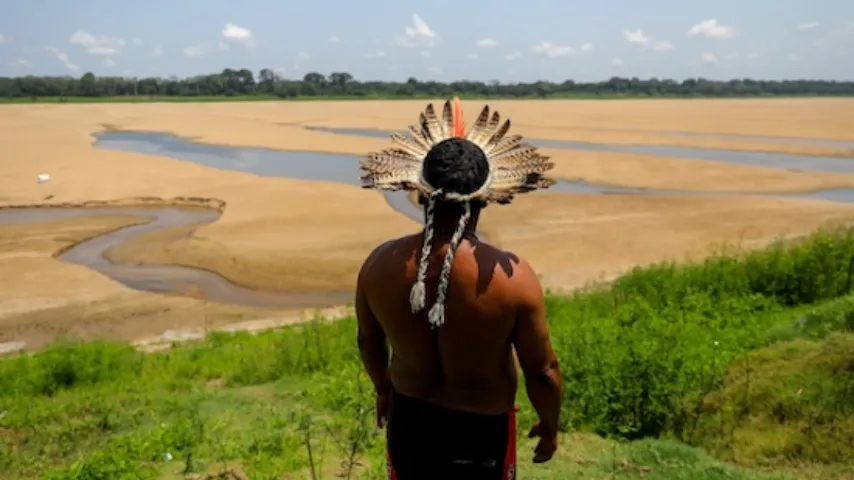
243 85
746 358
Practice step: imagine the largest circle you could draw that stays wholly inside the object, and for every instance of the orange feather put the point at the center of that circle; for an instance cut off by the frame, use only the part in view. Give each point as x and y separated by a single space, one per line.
459 128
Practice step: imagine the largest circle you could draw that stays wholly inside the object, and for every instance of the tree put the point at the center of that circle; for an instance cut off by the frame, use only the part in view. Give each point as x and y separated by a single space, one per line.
231 82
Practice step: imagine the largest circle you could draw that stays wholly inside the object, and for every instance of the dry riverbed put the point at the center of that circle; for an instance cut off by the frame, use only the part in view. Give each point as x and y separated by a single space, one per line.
291 235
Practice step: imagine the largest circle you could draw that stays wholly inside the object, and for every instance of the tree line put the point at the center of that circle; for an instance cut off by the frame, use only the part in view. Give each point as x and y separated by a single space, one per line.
267 83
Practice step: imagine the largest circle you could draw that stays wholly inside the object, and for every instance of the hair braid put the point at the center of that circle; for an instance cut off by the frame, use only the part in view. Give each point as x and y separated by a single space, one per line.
436 316
418 293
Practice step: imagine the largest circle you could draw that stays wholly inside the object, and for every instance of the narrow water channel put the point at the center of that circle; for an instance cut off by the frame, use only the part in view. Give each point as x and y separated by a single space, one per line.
176 279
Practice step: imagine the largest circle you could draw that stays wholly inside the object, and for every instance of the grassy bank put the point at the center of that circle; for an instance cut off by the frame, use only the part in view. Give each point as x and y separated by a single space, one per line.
747 357
320 98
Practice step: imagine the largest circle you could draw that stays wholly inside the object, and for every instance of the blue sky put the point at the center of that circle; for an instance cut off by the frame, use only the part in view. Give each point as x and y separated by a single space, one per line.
441 39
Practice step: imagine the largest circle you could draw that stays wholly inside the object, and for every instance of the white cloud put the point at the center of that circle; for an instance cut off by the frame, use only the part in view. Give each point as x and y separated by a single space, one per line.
109 62
638 37
333 39
63 58
2 39
512 56
379 54
104 45
710 58
473 56
487 43
235 35
808 25
195 51
753 56
553 50
419 34
711 29
793 57
616 62
304 55
20 62
156 52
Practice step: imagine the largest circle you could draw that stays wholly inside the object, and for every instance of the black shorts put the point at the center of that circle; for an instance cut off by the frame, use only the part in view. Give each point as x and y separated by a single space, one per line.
431 442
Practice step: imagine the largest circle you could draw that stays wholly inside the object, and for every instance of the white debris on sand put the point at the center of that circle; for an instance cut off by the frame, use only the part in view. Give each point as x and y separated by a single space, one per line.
170 337
11 347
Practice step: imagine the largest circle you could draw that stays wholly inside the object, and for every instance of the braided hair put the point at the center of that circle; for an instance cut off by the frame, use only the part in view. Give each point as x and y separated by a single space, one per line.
455 167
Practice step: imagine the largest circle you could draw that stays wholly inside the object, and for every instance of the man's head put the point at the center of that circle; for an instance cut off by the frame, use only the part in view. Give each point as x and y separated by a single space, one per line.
455 165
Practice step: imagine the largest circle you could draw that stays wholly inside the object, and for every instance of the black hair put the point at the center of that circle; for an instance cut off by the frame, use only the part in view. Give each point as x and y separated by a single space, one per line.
456 165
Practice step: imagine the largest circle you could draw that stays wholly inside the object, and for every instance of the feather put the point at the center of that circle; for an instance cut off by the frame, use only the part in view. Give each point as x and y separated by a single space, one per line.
502 198
546 182
498 135
507 180
513 157
491 126
506 144
425 128
459 126
419 137
388 161
518 181
391 181
432 124
480 132
409 145
447 119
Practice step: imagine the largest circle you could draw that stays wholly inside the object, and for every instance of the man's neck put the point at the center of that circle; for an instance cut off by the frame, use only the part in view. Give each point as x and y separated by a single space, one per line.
444 228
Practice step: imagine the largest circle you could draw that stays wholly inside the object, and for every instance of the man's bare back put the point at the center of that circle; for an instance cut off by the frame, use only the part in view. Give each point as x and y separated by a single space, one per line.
468 363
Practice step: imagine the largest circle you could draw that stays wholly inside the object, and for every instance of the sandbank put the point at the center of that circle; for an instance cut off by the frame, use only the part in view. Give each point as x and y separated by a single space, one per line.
284 234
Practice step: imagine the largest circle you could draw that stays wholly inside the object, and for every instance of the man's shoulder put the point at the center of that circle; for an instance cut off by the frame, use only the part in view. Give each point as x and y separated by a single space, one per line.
521 276
383 250
519 265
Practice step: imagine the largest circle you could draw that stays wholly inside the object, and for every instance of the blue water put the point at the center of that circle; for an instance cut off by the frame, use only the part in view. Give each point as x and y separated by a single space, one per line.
259 161
820 142
345 168
738 157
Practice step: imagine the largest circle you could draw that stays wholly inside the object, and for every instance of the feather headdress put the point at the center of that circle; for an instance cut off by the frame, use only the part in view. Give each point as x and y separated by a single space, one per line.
514 167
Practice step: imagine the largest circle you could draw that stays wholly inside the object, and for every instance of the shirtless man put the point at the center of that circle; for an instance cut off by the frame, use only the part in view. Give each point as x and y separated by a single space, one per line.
447 393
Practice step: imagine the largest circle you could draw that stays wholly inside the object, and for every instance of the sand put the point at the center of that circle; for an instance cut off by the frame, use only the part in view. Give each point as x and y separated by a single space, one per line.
283 234
42 298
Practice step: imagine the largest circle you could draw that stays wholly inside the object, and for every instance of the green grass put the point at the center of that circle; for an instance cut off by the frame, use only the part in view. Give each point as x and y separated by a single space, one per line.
790 402
262 97
670 371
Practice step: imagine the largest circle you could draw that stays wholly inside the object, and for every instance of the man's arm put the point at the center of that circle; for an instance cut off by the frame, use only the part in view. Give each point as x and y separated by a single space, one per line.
372 341
534 349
